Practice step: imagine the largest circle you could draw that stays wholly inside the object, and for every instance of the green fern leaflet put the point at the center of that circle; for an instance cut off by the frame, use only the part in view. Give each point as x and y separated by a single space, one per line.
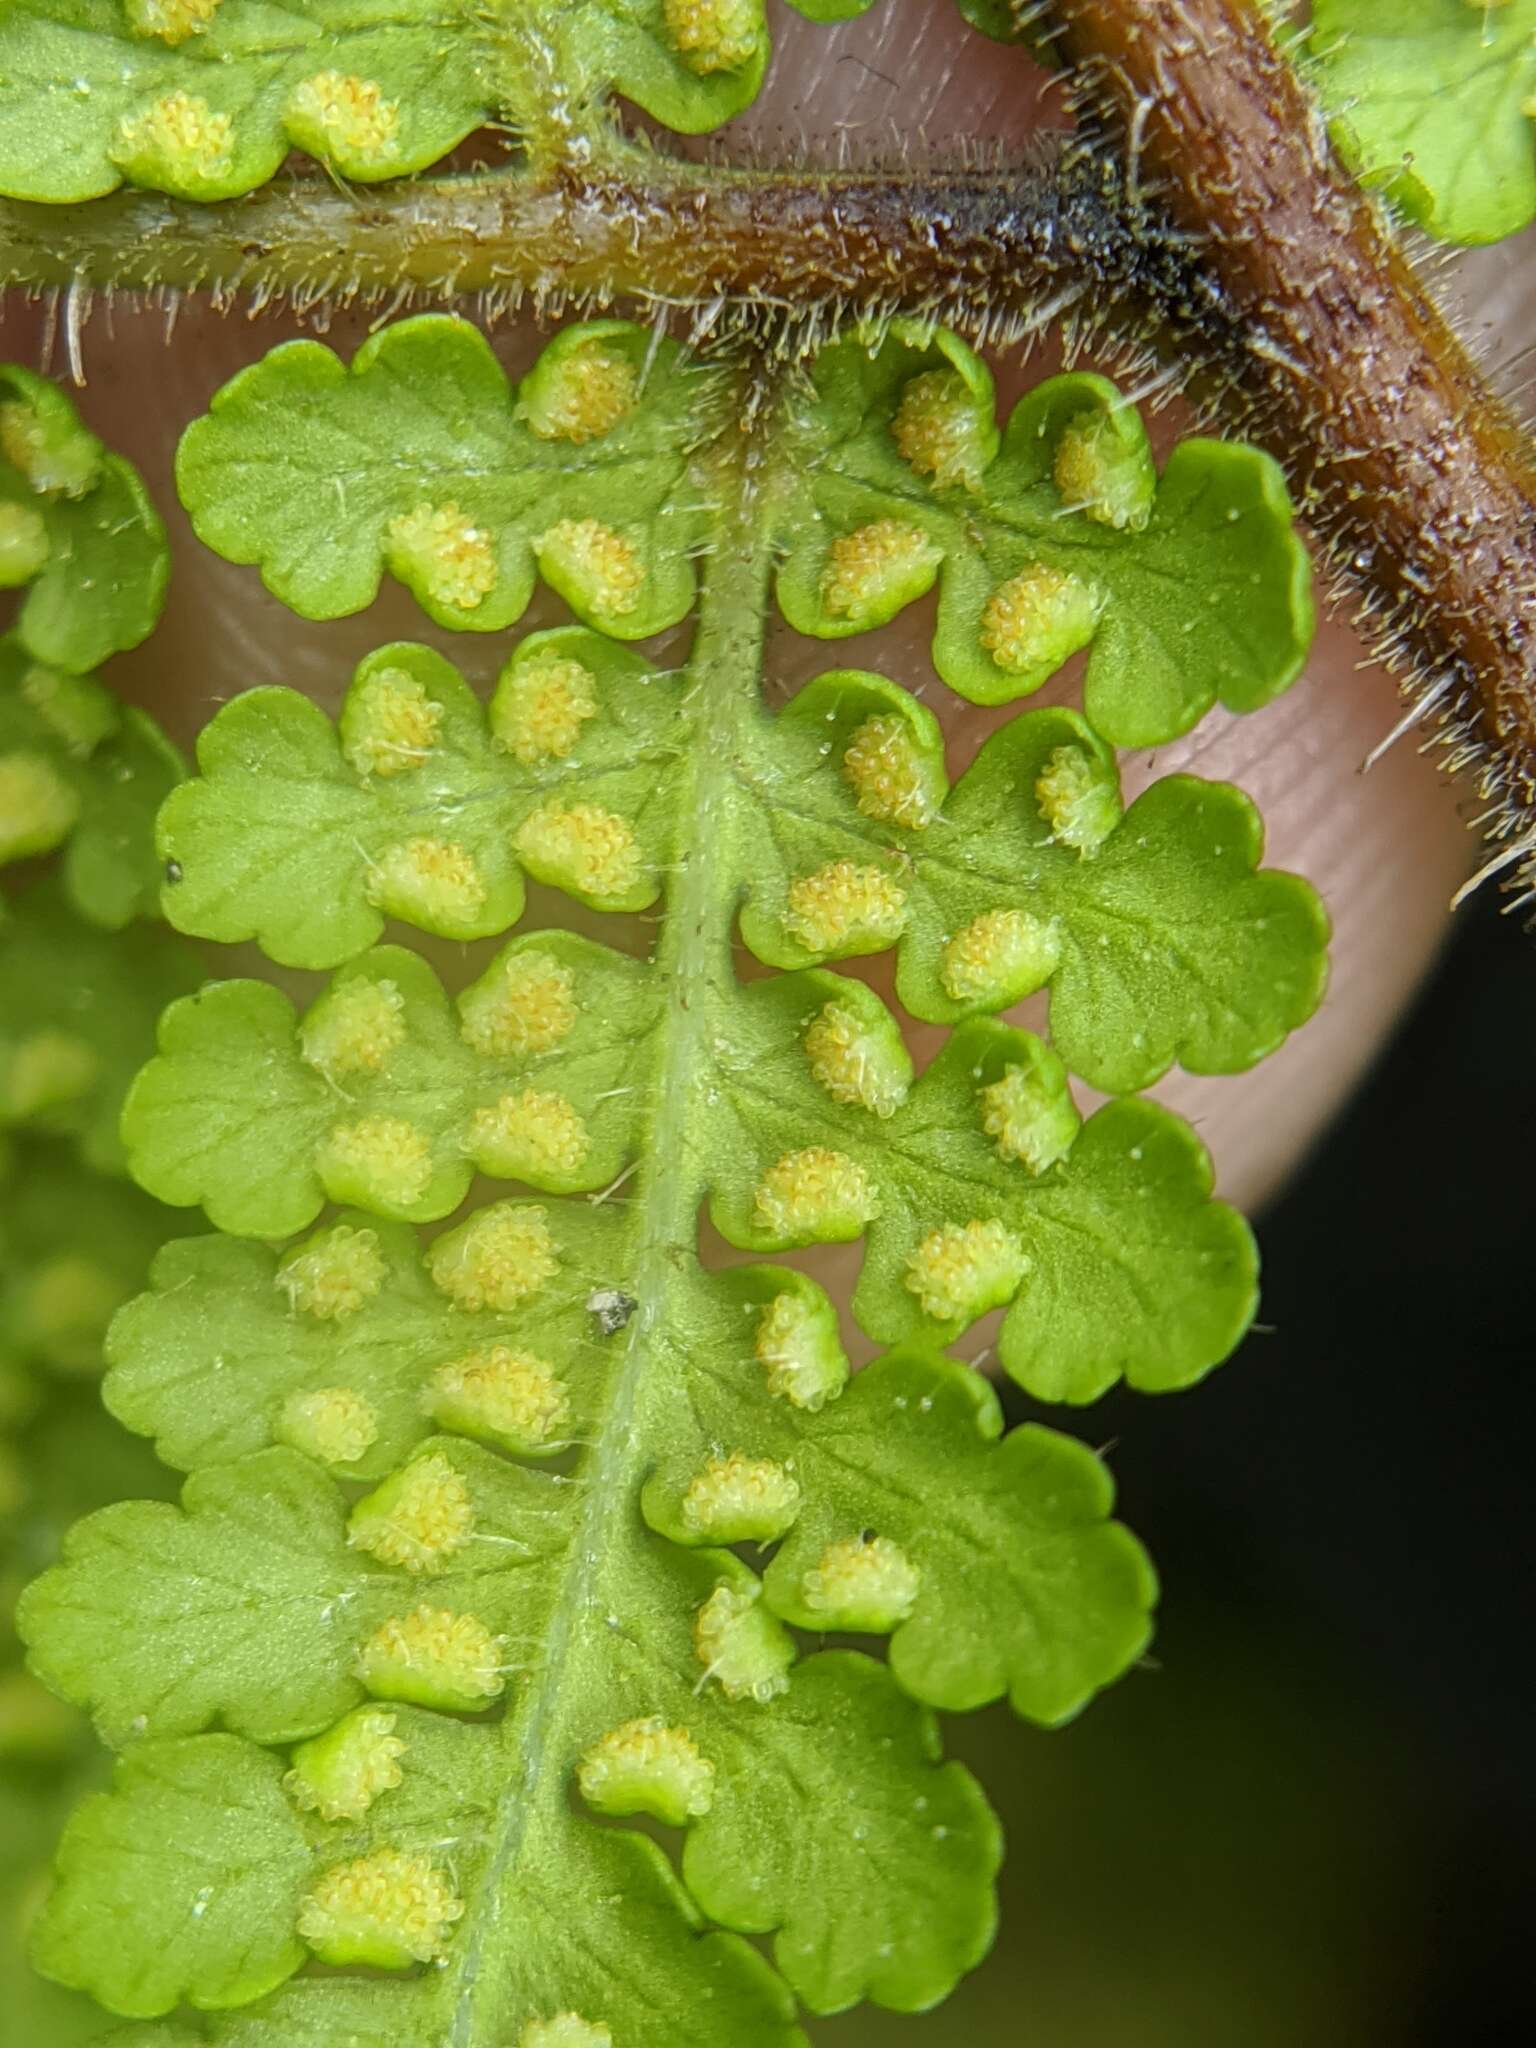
496 1465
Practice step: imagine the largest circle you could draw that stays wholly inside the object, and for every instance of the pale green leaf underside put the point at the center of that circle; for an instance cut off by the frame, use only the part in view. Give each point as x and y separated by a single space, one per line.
1161 941
90 100
324 475
1187 589
1204 591
1121 1261
495 1483
892 1907
205 98
1436 101
302 837
76 526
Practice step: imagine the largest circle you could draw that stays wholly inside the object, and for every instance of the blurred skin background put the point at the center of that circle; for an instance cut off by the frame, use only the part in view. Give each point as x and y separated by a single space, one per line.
1305 1823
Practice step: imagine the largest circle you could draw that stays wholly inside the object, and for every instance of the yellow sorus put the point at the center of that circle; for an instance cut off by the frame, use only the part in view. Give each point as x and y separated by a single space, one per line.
1096 474
845 908
387 1910
1032 1122
802 1361
24 544
533 1136
508 1397
581 847
648 1767
350 117
53 463
525 1004
419 1518
45 1069
339 1774
177 139
999 957
434 1659
444 551
961 1270
540 707
812 1196
173 21
497 1259
938 431
583 395
855 1063
389 723
378 1162
353 1029
1031 623
884 767
334 1274
565 2030
714 35
737 1499
335 1425
865 1583
37 806
593 566
1078 799
740 1644
429 882
875 570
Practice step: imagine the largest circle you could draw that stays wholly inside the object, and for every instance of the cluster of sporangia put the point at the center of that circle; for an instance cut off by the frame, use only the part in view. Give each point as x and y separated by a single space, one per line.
510 1467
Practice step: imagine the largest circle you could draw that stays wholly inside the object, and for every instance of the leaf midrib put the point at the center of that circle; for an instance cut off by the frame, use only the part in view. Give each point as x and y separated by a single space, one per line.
693 964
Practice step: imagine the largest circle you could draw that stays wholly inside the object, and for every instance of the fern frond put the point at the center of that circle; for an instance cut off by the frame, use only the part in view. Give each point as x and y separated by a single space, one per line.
495 1482
1053 537
1056 536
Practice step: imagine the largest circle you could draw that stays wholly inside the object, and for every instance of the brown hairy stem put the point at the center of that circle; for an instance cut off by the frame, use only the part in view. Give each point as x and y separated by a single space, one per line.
981 246
1422 486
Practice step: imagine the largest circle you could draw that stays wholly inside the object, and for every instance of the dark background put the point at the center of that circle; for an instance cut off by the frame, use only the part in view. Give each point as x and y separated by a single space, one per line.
1308 1824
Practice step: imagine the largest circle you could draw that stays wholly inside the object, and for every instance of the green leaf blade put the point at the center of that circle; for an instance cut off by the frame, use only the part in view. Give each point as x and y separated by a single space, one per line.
420 458
208 1819
1064 539
892 1901
1433 101
376 90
